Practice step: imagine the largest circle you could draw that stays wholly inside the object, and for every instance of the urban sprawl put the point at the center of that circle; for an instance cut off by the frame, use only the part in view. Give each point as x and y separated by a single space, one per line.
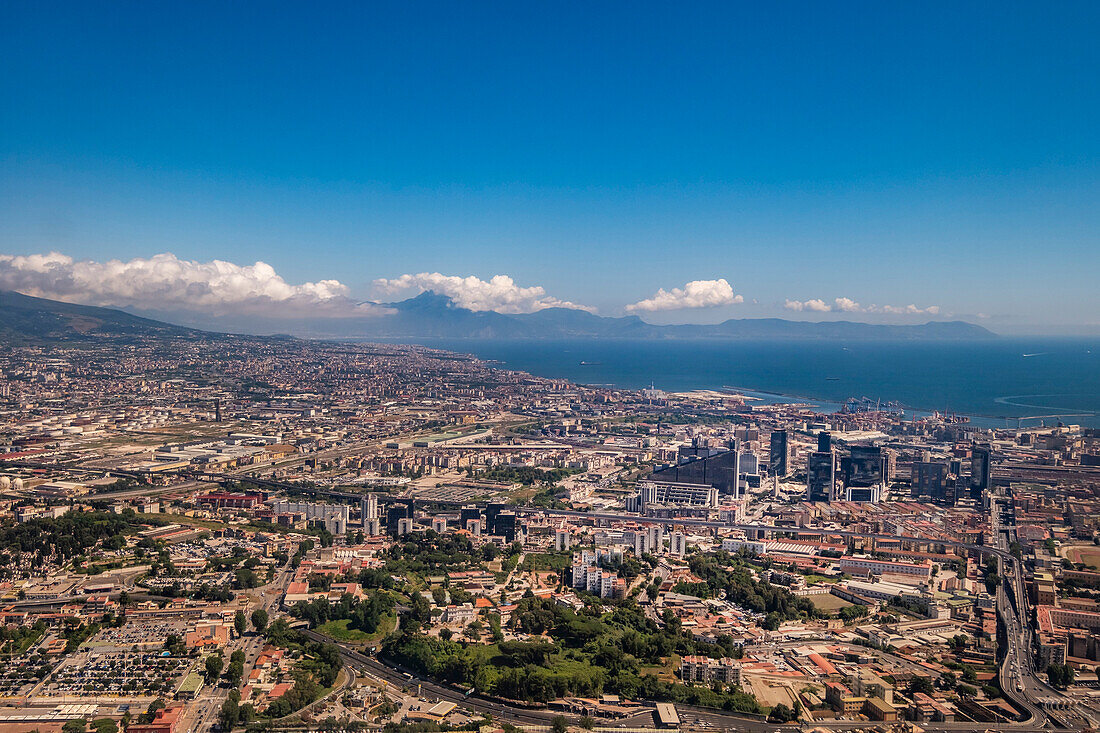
277 534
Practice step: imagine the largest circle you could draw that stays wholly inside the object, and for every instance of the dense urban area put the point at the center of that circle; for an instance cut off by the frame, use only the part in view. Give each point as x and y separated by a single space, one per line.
276 534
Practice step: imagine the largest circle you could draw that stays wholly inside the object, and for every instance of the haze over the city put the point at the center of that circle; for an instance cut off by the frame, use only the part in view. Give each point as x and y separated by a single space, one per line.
858 161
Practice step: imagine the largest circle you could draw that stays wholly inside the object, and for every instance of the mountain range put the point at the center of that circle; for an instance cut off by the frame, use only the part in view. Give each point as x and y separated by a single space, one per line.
432 315
24 318
429 315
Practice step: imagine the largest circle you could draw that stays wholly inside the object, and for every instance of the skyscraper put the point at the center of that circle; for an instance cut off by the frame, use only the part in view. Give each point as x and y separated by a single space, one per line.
820 476
981 472
780 454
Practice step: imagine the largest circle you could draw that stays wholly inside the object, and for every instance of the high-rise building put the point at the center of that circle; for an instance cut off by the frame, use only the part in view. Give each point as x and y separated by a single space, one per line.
820 476
678 544
929 480
506 525
702 464
439 525
824 442
780 455
334 517
864 467
981 471
656 539
469 512
562 540
368 508
491 512
396 512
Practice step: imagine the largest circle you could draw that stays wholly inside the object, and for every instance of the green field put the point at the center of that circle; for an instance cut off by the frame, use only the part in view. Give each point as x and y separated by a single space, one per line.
339 630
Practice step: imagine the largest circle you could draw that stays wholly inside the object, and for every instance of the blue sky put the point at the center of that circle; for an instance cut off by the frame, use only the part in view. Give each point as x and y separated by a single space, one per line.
937 154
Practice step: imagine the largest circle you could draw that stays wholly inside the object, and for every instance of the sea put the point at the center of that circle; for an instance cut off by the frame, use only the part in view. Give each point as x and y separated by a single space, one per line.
1004 382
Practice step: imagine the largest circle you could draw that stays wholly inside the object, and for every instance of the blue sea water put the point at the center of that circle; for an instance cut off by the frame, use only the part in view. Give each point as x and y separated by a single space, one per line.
1000 380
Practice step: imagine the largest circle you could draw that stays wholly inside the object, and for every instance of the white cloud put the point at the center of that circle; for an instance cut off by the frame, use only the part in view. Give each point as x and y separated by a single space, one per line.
164 282
500 293
911 309
817 305
847 305
695 294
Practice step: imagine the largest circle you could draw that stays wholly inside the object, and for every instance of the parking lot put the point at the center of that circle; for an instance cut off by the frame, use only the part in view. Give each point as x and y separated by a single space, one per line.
117 673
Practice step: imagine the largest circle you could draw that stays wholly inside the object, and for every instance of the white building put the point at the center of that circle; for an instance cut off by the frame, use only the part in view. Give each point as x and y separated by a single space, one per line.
679 544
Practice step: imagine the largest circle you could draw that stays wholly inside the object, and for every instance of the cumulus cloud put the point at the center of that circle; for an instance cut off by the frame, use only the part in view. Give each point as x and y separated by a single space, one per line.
499 293
847 305
165 282
817 305
695 294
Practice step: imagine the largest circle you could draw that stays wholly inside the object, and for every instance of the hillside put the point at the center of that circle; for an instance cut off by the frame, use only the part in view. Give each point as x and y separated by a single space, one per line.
26 319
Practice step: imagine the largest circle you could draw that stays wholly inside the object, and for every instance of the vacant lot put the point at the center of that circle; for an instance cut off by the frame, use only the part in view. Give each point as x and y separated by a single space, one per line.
828 602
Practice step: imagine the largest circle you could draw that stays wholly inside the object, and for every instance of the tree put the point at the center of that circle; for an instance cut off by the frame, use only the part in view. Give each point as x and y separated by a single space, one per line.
230 714
558 724
782 714
920 684
259 620
151 711
75 726
214 665
105 725
240 623
587 723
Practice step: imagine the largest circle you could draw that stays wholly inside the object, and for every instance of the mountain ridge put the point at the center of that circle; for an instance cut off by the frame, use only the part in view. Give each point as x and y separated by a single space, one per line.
430 315
449 319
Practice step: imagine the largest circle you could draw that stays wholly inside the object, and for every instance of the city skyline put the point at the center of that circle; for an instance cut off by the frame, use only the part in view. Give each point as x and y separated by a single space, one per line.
687 168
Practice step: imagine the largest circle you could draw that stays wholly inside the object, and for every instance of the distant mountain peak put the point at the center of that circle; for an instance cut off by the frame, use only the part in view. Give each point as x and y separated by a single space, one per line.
432 315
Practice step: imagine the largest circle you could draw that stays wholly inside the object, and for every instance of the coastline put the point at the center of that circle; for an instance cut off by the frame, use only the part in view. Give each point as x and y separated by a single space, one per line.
990 383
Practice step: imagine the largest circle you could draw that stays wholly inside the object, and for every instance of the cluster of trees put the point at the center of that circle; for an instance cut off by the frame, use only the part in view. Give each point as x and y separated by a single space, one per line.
851 613
547 498
317 670
68 536
992 579
428 551
300 554
722 572
365 615
592 652
14 640
526 475
1060 675
783 713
